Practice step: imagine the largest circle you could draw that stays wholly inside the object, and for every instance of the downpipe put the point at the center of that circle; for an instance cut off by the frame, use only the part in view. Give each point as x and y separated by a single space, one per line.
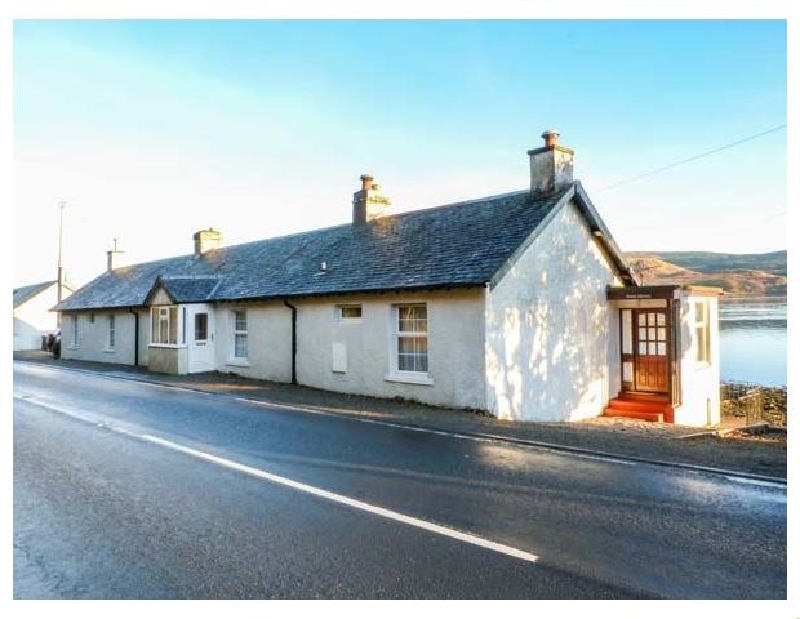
294 339
135 336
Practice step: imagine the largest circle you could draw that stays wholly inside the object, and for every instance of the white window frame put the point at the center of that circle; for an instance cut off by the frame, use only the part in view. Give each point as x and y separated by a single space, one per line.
158 311
112 333
341 318
418 377
74 342
240 332
702 332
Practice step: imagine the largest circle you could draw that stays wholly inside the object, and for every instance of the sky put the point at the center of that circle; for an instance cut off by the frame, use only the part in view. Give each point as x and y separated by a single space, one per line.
151 130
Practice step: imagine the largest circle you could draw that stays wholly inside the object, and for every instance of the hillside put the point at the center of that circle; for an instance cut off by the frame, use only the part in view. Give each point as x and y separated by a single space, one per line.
710 262
754 275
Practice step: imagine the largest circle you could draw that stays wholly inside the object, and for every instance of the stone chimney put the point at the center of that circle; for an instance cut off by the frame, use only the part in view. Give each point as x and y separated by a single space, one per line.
114 258
368 202
551 165
206 240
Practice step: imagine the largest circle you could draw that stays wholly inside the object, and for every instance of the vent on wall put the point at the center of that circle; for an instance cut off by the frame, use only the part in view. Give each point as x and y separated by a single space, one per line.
339 357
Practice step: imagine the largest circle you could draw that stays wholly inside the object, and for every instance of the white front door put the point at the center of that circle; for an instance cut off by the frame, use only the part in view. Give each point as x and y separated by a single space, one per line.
200 336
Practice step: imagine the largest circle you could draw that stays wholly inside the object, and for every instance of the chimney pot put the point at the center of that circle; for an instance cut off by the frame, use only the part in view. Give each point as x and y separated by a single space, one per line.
550 137
366 182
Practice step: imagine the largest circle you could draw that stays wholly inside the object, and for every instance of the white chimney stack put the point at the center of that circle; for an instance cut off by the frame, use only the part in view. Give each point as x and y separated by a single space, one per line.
206 240
551 165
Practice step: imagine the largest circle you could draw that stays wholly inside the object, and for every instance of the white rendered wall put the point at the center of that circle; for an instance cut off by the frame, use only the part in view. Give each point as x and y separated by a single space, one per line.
551 345
33 319
93 337
700 403
455 347
269 340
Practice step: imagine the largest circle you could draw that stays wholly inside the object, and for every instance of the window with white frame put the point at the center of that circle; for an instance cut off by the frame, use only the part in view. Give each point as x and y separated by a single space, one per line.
348 313
75 331
164 325
112 332
702 330
240 334
411 338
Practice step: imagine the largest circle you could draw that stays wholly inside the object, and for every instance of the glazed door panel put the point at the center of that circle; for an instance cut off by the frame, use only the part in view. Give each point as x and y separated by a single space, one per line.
651 350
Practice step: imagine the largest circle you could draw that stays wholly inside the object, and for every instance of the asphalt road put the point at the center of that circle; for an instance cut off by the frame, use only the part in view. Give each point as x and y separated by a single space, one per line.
126 490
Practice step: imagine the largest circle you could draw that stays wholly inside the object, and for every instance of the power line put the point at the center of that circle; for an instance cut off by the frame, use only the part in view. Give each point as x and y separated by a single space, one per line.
694 158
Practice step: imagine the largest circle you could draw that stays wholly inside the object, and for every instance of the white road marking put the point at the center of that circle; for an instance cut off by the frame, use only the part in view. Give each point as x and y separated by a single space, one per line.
469 437
306 488
755 482
603 458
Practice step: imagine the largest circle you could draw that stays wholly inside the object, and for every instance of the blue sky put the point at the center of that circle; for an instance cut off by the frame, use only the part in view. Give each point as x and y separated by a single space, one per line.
151 130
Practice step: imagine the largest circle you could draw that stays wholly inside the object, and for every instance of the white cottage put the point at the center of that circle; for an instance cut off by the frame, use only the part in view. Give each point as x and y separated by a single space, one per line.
32 315
520 304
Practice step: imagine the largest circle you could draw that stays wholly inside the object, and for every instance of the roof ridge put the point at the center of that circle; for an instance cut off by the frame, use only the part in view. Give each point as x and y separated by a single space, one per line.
455 244
327 228
459 203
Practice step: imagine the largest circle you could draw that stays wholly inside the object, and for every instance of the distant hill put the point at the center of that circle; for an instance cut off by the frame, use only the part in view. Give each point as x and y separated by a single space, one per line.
756 275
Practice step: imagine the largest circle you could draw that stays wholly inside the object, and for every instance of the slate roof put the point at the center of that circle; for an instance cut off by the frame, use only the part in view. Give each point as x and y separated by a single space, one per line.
25 293
462 244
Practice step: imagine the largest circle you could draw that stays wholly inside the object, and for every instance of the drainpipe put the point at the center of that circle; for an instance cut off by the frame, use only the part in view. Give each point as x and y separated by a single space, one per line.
135 336
294 339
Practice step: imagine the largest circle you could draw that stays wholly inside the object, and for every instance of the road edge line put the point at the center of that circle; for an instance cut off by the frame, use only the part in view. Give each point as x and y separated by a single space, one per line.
728 473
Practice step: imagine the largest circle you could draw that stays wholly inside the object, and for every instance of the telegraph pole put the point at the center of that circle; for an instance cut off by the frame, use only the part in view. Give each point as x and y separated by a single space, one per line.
61 205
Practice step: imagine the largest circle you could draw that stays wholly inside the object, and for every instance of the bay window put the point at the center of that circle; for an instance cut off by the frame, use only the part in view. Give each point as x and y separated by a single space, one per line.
164 325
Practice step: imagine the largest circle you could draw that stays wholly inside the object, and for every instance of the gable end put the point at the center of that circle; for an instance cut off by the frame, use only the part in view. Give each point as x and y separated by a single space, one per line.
599 231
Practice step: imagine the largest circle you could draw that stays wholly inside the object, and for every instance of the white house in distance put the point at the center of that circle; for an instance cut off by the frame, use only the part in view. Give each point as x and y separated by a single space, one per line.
32 315
520 304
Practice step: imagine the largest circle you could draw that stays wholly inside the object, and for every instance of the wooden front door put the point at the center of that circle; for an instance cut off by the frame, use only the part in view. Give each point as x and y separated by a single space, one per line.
651 350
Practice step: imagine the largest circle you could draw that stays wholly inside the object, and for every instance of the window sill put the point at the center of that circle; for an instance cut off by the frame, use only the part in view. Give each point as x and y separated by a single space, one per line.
244 363
111 350
73 347
410 378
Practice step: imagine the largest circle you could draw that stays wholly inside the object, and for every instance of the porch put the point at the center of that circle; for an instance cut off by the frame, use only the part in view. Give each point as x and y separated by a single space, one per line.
667 334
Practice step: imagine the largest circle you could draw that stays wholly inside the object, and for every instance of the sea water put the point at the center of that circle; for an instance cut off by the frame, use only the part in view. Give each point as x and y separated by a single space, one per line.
753 340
